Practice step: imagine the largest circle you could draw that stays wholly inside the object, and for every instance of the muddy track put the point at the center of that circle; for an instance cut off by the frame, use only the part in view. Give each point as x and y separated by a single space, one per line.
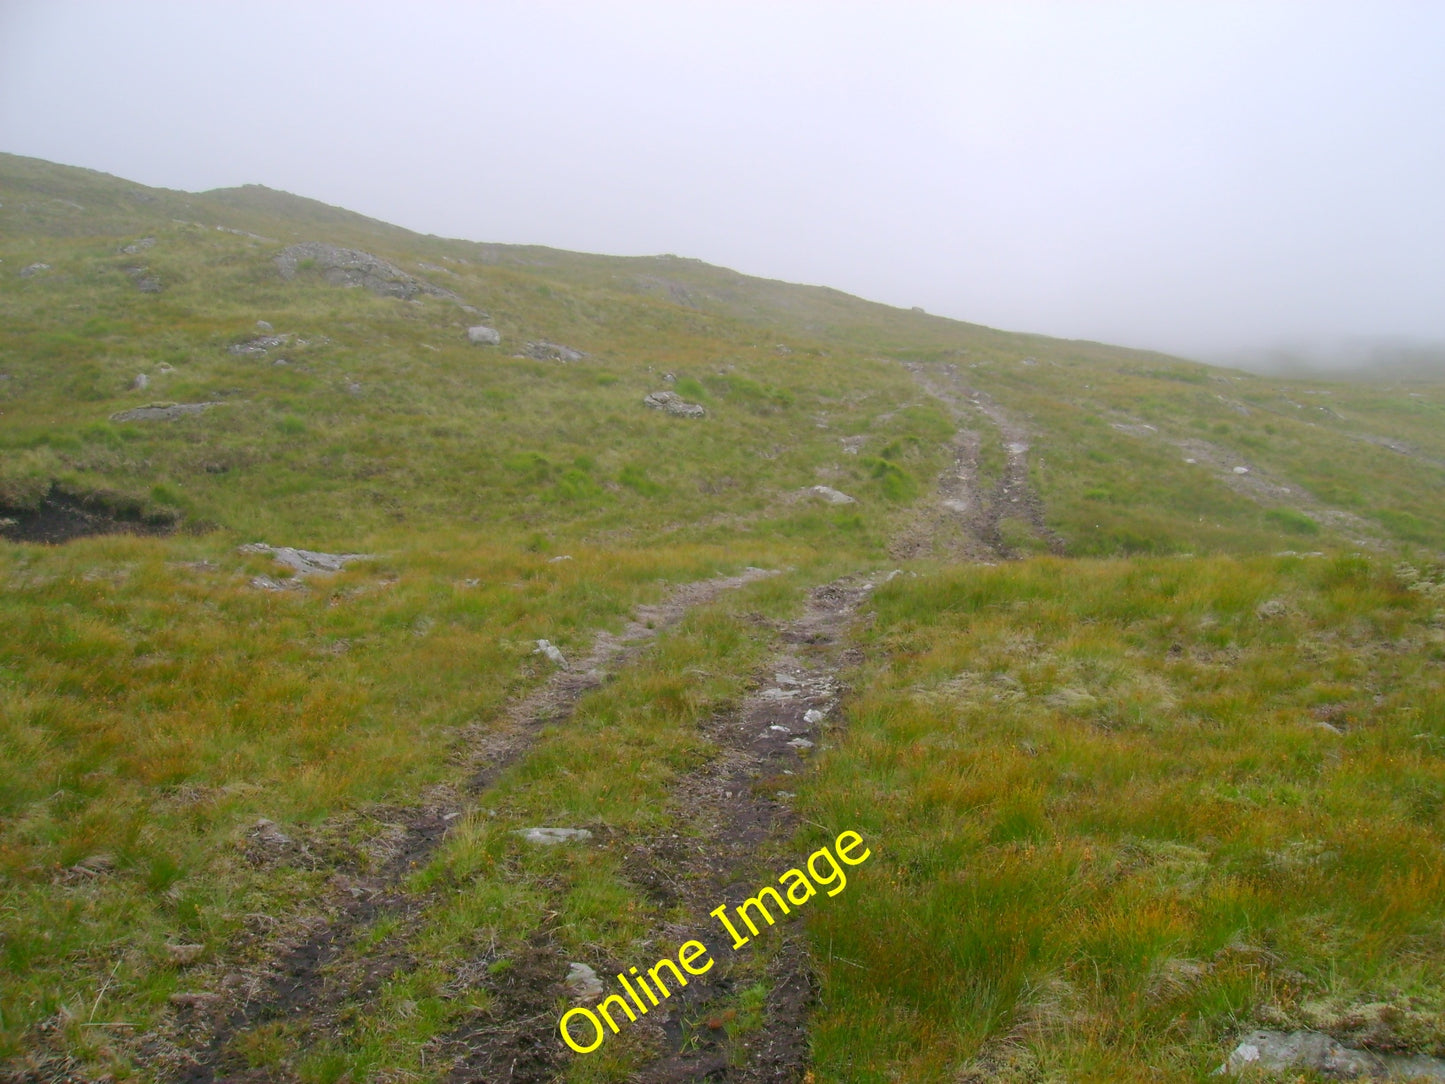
734 826
318 968
738 834
965 521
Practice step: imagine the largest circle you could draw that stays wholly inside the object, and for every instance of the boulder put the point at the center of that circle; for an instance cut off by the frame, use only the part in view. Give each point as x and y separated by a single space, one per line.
1275 1051
484 336
672 403
141 382
548 648
829 494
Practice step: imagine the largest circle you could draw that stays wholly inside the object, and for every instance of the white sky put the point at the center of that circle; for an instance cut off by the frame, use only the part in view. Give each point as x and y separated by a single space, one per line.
1200 178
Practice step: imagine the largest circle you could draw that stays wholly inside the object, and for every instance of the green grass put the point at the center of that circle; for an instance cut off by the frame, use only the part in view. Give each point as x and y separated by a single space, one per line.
1109 827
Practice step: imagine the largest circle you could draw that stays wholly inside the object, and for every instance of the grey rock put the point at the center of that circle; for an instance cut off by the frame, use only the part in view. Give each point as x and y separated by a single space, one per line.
484 336
800 744
812 716
267 834
852 445
1271 609
1278 1051
582 983
548 648
545 351
553 835
141 382
672 403
305 562
829 494
144 281
138 246
33 269
264 326
257 347
266 583
161 412
351 267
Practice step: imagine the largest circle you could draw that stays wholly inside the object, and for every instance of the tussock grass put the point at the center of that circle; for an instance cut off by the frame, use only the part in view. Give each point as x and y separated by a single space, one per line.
1113 826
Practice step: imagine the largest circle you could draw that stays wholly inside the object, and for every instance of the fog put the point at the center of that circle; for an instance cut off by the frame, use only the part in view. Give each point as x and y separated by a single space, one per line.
1222 181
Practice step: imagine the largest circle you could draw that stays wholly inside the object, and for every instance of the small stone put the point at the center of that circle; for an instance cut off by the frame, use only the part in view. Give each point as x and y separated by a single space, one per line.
181 955
813 716
829 494
546 647
549 836
483 336
267 834
781 729
1241 470
1271 609
582 983
265 326
33 269
141 382
800 744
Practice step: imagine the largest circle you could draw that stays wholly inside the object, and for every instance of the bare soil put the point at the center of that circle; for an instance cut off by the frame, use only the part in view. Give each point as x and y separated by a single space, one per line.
62 516
964 522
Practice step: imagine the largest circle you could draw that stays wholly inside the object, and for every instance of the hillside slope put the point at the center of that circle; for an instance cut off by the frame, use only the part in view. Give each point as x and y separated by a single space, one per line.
1126 669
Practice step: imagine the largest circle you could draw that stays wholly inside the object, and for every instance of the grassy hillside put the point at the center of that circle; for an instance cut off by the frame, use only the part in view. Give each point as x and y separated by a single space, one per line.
1128 669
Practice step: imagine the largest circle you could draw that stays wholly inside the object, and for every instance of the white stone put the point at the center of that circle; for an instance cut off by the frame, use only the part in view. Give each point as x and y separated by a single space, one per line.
550 836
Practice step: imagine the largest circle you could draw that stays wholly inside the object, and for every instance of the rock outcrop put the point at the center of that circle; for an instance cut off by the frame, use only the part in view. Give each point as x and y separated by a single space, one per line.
350 267
257 347
672 403
545 351
161 412
305 562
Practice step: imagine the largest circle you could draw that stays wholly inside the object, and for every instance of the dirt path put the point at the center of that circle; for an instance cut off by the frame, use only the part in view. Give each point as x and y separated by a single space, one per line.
965 521
316 968
737 827
1242 475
